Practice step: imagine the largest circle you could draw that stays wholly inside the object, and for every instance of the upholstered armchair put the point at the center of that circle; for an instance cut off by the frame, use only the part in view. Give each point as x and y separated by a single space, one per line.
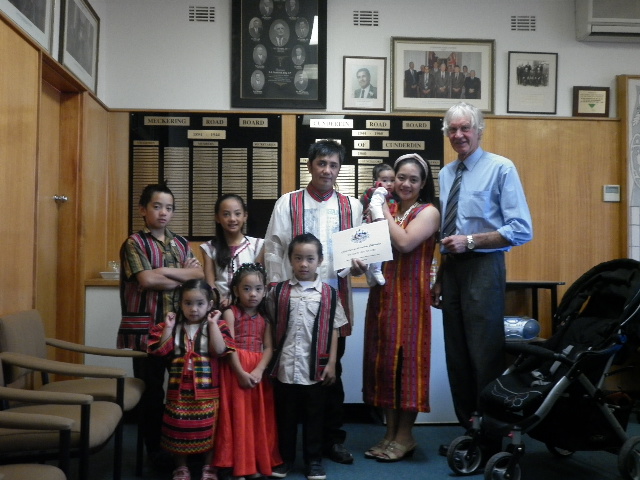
23 354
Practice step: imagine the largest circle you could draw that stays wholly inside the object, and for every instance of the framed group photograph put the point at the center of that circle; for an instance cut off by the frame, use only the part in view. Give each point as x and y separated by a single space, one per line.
79 39
364 83
533 82
590 101
34 16
431 74
279 52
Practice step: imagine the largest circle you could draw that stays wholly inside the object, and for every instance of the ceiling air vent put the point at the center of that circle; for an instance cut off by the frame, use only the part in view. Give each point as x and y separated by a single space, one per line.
202 14
523 23
365 18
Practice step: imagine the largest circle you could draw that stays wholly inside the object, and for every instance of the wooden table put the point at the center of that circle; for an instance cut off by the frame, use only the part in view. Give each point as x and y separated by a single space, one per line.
534 286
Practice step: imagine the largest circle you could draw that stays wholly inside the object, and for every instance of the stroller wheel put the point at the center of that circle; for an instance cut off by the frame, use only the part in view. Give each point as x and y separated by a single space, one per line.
629 459
464 456
497 468
559 452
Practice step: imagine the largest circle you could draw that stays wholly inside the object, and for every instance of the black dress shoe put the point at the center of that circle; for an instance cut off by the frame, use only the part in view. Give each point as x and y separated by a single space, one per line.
280 471
443 450
339 454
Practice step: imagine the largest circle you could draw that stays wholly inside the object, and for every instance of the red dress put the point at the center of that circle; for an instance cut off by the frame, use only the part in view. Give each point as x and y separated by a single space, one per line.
246 437
397 345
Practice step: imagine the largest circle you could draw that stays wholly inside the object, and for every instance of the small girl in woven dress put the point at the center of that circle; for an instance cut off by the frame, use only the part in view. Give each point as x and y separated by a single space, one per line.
195 337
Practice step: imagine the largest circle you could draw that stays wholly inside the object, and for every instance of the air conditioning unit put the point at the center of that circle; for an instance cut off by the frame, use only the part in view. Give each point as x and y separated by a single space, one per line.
608 20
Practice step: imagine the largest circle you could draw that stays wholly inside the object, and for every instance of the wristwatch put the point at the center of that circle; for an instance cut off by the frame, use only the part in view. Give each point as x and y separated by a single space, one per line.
470 243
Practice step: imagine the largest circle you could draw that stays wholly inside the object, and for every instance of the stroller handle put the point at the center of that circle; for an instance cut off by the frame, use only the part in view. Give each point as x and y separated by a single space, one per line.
544 353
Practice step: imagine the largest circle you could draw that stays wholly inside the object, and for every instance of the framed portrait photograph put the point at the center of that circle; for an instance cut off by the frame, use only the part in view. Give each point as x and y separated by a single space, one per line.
364 83
533 82
279 53
591 101
34 17
434 73
79 39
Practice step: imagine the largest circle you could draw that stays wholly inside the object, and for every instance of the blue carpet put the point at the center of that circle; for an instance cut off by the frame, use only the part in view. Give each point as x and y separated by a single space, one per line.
537 463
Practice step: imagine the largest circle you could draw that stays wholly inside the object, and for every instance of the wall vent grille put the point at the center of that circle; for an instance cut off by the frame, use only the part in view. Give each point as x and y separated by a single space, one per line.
523 23
365 18
202 14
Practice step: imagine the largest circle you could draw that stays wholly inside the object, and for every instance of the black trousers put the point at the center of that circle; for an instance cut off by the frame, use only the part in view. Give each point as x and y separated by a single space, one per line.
473 292
304 402
334 407
152 370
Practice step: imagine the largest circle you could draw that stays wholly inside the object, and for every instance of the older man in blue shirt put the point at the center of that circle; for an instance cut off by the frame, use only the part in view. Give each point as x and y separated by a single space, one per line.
492 216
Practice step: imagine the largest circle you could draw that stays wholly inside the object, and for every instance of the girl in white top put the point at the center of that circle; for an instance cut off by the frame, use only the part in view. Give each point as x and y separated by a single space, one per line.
230 248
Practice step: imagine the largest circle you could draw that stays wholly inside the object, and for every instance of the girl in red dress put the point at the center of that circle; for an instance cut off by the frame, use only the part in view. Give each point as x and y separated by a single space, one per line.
247 439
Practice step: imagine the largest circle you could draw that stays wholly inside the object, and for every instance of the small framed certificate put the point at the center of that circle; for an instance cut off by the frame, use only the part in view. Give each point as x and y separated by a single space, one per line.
590 101
369 242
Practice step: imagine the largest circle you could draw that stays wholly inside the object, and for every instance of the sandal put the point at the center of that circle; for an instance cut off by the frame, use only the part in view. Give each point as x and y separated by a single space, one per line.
396 451
378 449
181 473
209 473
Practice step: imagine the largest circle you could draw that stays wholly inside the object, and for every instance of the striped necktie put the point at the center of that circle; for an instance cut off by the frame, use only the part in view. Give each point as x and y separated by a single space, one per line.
451 215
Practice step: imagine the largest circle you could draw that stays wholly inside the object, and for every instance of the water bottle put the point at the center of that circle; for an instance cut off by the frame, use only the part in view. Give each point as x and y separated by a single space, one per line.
433 273
522 328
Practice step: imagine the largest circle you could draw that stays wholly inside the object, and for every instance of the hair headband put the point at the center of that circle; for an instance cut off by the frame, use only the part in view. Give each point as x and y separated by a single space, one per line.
416 157
249 267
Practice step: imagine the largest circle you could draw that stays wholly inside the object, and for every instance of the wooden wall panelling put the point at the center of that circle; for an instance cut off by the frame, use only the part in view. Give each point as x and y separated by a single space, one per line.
118 165
289 161
19 96
94 187
563 165
99 184
70 246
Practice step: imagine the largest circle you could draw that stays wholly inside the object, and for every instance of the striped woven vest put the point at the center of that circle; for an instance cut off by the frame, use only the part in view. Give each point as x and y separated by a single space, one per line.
322 326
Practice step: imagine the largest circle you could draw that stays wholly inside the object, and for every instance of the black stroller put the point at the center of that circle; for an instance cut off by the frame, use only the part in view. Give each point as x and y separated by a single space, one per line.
553 392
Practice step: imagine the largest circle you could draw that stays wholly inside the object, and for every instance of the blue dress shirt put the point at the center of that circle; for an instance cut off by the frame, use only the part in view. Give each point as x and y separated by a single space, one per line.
491 198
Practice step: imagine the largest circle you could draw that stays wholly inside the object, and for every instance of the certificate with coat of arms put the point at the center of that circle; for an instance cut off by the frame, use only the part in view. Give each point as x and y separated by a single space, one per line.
370 242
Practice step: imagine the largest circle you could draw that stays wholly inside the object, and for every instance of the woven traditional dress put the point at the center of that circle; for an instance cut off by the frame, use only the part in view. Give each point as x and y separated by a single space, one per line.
247 434
397 350
191 411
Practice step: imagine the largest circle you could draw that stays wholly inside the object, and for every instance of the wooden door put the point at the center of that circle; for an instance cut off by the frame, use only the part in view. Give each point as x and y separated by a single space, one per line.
48 172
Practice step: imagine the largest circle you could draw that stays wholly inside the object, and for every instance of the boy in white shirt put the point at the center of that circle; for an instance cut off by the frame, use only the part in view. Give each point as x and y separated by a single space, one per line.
307 314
